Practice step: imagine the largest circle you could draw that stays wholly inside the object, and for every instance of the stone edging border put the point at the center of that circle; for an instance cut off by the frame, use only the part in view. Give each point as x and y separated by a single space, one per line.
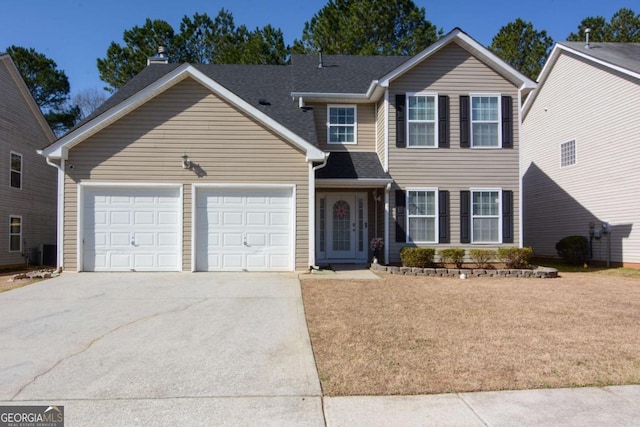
540 272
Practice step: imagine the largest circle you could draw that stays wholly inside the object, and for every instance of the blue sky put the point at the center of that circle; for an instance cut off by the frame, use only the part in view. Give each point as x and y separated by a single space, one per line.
74 33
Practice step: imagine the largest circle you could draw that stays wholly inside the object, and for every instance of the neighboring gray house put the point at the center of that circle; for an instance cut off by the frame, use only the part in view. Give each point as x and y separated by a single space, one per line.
28 186
581 157
241 167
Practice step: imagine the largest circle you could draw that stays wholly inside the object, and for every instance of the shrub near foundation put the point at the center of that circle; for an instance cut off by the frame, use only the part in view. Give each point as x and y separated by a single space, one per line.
482 257
515 257
452 256
417 257
573 249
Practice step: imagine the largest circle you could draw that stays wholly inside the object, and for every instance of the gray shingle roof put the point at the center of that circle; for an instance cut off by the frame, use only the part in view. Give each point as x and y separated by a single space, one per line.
252 83
625 55
340 73
275 83
356 165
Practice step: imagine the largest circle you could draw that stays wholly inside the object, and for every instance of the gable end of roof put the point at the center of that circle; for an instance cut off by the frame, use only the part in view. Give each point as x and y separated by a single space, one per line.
60 148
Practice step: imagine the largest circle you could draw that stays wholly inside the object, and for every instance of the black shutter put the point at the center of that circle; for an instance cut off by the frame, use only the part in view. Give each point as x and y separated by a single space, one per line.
401 206
443 217
507 122
443 121
400 122
465 122
507 216
465 216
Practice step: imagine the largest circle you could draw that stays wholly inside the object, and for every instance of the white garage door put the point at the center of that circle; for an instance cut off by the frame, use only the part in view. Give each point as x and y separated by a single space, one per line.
131 229
244 230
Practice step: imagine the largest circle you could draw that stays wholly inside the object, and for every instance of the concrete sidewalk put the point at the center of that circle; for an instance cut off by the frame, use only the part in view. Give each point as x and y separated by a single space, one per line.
608 406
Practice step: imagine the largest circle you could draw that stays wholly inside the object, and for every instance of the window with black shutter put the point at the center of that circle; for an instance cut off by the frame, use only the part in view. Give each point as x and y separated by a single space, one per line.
465 216
443 121
401 202
400 121
465 123
444 228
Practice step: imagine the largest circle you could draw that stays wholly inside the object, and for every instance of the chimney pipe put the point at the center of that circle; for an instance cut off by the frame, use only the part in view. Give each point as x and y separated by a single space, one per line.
160 57
587 31
321 64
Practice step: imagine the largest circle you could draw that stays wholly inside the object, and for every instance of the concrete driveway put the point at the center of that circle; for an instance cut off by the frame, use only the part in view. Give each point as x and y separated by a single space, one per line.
161 349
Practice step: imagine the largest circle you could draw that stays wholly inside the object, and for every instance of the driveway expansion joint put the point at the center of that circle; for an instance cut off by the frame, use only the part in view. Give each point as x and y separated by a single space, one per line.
471 408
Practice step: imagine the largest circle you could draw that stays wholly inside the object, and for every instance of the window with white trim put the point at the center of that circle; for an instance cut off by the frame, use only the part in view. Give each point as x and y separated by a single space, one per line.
341 124
421 120
15 166
485 121
422 215
568 153
15 234
485 216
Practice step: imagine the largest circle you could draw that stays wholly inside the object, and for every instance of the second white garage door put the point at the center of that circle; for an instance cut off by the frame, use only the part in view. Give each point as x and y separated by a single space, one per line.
244 229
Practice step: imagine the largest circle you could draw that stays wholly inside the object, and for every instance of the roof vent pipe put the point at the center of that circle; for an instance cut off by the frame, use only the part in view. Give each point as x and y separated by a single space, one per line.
160 57
321 64
587 31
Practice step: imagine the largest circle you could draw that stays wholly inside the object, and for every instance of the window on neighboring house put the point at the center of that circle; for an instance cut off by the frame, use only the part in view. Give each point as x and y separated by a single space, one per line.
568 153
15 234
421 216
421 120
16 170
485 121
341 124
485 211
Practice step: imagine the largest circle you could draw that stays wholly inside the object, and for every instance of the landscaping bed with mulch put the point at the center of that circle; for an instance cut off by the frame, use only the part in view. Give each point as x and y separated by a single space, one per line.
417 334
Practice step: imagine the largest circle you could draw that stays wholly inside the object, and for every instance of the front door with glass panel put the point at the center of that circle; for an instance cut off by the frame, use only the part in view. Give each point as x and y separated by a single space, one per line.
342 227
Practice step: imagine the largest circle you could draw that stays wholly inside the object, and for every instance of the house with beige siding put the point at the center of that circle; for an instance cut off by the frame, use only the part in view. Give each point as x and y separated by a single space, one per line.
27 184
580 161
280 168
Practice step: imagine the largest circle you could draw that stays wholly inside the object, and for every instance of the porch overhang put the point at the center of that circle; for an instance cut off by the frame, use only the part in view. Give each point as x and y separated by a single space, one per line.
352 170
352 183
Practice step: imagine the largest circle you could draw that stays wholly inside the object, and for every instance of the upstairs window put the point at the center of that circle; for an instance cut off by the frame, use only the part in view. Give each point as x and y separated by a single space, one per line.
341 124
16 170
485 121
15 234
421 121
568 153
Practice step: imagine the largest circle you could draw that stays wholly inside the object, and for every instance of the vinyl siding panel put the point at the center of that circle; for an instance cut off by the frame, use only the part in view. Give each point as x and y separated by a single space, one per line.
366 128
21 132
453 71
597 108
225 145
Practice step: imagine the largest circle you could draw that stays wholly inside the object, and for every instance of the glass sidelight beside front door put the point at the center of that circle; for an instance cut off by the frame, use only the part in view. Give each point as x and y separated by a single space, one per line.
342 227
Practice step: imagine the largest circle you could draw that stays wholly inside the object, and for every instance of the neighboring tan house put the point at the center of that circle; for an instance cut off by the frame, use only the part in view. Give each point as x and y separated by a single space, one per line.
241 167
28 186
580 160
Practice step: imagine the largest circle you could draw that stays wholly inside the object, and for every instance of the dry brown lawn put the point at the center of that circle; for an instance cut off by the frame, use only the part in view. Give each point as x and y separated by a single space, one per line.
418 335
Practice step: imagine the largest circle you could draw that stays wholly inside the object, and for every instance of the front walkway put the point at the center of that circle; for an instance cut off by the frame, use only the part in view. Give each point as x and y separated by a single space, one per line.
342 272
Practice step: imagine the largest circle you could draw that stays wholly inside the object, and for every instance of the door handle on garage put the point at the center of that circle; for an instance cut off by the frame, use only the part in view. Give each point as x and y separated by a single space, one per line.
245 242
132 239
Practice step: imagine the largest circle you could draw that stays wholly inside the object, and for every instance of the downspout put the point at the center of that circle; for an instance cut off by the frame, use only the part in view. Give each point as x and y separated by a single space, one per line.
520 169
387 189
59 213
312 210
386 131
